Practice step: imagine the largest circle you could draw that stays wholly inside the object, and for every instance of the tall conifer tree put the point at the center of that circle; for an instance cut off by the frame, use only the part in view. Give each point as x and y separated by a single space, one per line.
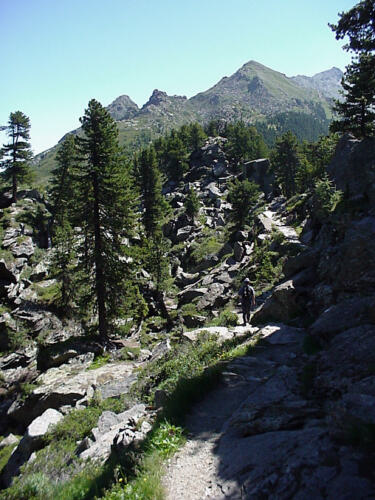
105 204
17 153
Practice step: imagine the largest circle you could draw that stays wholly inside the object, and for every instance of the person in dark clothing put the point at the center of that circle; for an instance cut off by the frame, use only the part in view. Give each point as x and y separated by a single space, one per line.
247 294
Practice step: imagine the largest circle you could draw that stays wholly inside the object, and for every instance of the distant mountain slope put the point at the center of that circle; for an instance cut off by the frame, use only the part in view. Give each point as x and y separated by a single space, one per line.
327 83
253 91
255 94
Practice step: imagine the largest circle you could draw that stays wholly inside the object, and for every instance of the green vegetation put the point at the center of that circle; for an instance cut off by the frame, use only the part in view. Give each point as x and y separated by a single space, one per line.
356 111
163 442
244 196
192 204
226 318
5 454
99 361
244 143
325 199
208 245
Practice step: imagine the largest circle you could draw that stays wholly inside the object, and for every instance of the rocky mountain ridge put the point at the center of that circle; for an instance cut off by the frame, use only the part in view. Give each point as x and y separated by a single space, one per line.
252 94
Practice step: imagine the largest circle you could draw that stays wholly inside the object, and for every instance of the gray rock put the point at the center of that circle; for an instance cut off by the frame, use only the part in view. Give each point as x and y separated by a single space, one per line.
280 334
7 275
213 298
184 279
187 296
110 432
161 349
183 233
9 441
341 317
258 171
213 191
303 260
31 442
193 320
219 169
39 273
356 156
7 328
281 306
241 236
238 251
23 247
64 387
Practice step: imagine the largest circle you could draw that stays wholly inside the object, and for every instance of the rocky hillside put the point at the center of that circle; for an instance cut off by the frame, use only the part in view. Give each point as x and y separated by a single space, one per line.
253 94
292 418
327 83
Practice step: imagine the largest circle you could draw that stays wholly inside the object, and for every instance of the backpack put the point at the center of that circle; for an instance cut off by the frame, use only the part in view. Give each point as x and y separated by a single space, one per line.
247 292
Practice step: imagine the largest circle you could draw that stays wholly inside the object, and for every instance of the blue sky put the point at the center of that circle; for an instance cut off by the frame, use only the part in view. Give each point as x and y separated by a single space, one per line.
57 55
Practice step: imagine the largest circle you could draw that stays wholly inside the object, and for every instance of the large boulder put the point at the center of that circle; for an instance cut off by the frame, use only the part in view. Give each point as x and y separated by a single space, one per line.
63 388
353 168
214 298
282 306
259 172
187 296
31 442
347 314
8 327
352 266
110 432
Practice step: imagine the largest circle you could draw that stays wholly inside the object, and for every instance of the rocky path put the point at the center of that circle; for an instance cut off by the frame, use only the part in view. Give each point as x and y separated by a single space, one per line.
256 436
195 472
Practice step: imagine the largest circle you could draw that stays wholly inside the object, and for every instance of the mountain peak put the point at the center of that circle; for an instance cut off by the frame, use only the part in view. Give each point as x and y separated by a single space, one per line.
159 98
122 108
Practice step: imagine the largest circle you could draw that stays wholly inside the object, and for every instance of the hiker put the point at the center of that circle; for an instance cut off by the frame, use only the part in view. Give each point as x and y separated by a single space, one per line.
247 294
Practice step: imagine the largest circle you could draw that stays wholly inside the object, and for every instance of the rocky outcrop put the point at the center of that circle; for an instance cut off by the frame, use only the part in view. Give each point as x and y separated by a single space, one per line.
114 432
31 441
352 169
70 386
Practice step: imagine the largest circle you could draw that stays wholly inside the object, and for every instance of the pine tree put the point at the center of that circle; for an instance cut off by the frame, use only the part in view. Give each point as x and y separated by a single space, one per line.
286 163
243 195
155 206
357 110
62 182
192 204
359 25
105 204
63 264
155 209
197 136
244 143
17 152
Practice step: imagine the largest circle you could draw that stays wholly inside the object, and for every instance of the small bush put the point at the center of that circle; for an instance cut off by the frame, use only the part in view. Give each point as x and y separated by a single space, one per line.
325 199
209 246
35 486
99 361
48 295
226 318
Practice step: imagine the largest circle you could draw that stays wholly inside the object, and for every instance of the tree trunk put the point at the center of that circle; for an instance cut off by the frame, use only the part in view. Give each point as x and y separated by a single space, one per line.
99 270
14 194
